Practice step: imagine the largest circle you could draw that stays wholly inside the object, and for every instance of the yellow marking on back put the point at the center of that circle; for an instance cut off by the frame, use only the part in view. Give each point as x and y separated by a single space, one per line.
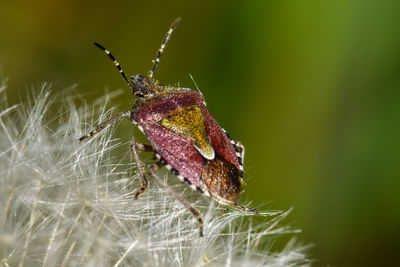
188 122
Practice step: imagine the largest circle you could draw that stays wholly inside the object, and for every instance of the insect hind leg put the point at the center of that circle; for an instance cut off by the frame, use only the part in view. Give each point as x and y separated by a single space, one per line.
196 213
246 210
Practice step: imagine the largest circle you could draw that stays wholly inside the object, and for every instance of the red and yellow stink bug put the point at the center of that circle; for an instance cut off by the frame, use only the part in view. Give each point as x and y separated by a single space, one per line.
186 139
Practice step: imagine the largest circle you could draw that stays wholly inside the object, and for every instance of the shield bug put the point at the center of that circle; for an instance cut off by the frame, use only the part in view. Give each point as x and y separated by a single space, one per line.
186 139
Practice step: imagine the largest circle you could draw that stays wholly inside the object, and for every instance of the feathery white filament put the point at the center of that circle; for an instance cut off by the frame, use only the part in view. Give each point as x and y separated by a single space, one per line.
71 204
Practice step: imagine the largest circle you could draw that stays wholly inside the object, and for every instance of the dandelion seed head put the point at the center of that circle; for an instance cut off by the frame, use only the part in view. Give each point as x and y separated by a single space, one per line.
67 204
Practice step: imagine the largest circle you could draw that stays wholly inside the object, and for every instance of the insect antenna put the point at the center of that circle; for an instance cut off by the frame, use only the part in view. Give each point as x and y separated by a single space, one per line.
161 50
115 62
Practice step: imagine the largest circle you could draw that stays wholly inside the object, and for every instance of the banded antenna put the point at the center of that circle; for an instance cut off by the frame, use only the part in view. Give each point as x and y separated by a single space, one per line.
115 62
161 50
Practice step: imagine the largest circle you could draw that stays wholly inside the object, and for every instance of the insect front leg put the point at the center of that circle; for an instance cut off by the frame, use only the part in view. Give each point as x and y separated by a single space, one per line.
196 213
103 125
143 181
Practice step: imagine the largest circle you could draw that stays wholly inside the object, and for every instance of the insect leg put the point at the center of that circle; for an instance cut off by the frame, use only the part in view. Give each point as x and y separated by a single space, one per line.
142 147
246 210
103 125
190 207
241 148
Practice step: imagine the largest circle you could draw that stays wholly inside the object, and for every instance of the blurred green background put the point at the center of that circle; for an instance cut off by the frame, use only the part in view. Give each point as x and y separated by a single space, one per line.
311 88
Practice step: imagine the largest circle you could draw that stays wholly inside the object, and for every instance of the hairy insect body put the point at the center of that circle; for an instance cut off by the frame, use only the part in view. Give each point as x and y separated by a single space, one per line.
223 180
185 138
185 135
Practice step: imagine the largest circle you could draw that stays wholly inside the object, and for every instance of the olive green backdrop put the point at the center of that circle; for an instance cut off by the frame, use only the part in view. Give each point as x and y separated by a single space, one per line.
311 88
